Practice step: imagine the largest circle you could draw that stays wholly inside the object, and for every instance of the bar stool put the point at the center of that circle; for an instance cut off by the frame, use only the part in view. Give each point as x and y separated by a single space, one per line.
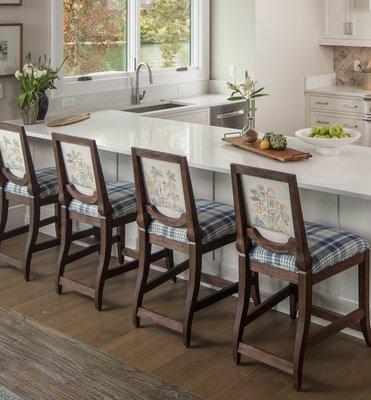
22 184
169 216
86 198
273 239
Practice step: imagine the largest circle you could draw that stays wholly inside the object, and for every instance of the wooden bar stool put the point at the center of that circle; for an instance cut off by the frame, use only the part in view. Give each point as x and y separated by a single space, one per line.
22 184
273 239
169 216
86 198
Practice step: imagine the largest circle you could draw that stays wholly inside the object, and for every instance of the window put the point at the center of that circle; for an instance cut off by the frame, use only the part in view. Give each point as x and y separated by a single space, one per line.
165 33
106 39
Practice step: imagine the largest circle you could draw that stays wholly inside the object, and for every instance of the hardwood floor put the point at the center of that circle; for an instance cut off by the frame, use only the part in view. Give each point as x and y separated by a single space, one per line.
339 368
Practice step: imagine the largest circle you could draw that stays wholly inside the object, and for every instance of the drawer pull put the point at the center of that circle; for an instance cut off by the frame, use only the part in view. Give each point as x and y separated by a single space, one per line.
323 103
351 126
350 106
323 122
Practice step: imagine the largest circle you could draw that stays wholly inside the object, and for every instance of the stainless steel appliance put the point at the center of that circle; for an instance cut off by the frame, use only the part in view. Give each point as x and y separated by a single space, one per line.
231 116
367 118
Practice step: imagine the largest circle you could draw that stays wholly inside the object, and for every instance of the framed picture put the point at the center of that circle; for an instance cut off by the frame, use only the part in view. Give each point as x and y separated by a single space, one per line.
10 2
11 48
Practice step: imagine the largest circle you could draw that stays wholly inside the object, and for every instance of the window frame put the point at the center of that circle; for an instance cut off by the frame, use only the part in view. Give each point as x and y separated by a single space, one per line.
112 81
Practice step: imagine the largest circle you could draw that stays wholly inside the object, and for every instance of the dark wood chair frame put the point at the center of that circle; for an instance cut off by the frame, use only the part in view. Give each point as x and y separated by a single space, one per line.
102 228
34 201
194 249
300 285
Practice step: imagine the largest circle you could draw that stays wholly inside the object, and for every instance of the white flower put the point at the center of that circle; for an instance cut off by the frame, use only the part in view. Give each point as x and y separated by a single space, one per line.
44 72
37 74
18 75
28 71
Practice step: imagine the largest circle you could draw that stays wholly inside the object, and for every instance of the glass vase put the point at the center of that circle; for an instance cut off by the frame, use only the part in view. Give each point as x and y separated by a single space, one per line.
43 106
29 112
249 134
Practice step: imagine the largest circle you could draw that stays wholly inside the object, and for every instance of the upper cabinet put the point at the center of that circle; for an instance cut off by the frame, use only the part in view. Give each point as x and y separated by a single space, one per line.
346 23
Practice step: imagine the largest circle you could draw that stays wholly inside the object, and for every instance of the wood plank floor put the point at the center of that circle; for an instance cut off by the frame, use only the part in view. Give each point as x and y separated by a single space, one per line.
338 368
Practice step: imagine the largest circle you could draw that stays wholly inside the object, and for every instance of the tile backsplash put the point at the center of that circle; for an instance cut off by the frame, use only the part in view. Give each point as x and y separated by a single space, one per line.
344 58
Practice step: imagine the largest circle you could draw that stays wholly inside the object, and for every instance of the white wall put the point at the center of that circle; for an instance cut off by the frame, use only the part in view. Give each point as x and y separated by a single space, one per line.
35 16
287 50
232 37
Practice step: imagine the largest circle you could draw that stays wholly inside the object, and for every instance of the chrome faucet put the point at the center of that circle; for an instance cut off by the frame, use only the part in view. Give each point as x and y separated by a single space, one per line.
138 95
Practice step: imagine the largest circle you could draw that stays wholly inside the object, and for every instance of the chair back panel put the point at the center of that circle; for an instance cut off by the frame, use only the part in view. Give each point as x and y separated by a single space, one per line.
164 186
268 208
12 152
79 167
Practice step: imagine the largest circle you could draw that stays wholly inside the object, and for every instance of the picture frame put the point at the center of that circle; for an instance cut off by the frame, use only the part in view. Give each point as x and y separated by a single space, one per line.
11 48
10 2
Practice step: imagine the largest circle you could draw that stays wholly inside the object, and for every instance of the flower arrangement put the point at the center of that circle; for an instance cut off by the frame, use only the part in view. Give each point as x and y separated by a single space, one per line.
34 80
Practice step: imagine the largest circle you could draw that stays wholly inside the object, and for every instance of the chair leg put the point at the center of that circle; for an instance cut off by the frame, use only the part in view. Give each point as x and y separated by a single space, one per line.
304 308
104 260
66 240
294 303
255 290
195 264
364 298
244 291
31 239
143 272
121 245
57 210
169 261
4 209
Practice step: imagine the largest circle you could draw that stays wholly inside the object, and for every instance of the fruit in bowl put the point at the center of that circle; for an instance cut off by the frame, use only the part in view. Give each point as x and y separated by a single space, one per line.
328 139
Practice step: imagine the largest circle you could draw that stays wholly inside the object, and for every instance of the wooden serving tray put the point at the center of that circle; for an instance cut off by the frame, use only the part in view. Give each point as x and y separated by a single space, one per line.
280 155
72 119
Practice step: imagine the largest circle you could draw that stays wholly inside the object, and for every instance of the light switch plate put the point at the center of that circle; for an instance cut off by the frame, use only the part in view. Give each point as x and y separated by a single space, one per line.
232 72
69 102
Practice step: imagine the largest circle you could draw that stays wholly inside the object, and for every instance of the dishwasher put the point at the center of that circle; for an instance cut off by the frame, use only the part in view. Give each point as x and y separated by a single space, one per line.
231 116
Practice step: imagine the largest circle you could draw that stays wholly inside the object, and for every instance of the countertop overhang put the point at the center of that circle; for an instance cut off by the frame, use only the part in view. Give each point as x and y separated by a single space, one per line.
348 174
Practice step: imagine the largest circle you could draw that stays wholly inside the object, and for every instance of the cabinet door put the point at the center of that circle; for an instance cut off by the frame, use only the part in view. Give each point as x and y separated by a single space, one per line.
361 20
335 19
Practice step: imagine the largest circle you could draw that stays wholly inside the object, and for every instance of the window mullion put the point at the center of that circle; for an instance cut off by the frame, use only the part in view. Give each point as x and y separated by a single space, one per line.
133 34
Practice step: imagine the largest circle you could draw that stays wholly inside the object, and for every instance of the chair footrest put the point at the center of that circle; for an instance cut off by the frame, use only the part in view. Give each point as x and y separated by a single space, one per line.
77 287
218 296
266 358
160 319
331 316
121 269
336 326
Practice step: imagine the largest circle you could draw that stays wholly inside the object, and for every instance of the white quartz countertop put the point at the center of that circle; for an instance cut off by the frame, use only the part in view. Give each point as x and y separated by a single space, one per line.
114 131
336 90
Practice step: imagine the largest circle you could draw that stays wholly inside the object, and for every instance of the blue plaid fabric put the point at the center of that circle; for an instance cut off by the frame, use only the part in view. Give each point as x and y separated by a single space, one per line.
47 180
327 246
121 196
216 221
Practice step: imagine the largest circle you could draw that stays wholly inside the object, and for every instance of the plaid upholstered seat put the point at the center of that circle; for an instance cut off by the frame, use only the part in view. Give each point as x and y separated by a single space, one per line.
216 221
327 247
121 196
47 180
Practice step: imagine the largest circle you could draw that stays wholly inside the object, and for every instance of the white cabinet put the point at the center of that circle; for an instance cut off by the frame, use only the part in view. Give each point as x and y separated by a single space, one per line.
346 23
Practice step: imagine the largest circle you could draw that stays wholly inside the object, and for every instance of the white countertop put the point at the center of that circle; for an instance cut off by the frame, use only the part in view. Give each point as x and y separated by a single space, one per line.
336 90
115 131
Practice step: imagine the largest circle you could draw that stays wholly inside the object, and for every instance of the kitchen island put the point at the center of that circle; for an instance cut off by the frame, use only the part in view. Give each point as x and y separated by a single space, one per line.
335 190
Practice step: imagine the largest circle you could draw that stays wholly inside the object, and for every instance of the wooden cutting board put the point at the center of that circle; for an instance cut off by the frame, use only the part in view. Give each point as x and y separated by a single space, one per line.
280 155
72 119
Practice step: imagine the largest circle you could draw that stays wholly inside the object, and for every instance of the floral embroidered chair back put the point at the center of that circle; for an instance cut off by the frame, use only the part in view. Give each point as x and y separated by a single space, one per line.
268 209
164 190
79 169
16 162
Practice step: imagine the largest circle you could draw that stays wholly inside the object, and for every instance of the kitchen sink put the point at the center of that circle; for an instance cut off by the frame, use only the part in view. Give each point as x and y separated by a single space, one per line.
156 107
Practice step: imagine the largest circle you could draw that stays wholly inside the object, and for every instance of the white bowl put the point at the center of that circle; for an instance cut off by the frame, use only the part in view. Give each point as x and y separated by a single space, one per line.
326 146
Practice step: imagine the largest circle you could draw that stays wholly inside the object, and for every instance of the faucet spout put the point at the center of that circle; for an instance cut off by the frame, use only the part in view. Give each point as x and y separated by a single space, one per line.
139 96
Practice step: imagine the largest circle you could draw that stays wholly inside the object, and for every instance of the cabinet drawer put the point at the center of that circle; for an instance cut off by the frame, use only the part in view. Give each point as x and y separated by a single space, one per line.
336 104
349 122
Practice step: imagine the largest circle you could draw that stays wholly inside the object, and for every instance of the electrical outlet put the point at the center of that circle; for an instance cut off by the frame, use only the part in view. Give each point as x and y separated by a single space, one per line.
232 72
1 91
357 66
69 102
182 88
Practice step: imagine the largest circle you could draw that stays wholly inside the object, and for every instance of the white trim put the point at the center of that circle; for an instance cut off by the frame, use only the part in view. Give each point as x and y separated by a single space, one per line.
111 81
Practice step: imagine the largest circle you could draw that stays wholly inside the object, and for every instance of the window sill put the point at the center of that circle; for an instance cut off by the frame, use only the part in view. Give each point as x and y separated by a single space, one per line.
102 83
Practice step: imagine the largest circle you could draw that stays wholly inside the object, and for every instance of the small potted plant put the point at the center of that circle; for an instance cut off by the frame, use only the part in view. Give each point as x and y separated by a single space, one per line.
34 80
247 91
